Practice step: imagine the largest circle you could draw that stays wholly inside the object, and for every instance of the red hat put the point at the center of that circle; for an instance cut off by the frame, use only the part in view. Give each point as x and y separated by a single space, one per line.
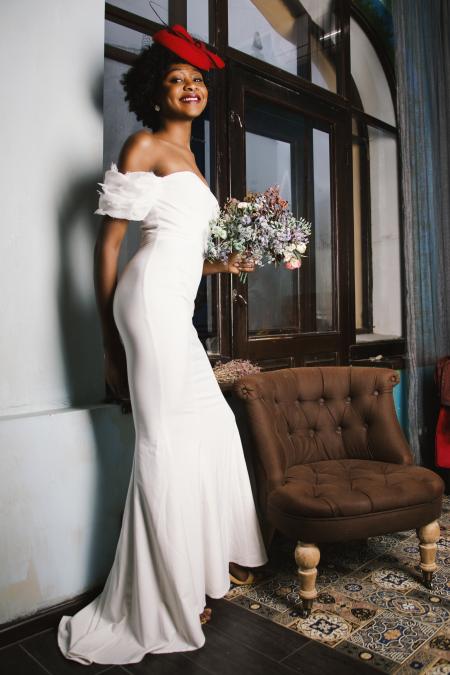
178 40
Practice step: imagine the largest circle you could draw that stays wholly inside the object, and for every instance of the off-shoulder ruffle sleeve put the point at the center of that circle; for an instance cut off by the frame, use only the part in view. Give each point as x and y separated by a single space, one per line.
128 195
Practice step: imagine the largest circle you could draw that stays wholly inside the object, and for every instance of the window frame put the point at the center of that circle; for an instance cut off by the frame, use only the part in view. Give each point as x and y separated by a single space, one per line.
394 347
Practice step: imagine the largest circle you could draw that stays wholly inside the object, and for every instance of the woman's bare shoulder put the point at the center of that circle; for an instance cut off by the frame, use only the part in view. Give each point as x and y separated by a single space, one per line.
140 152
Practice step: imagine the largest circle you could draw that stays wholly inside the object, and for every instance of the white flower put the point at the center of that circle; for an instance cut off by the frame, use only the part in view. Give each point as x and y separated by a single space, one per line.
301 248
242 205
291 247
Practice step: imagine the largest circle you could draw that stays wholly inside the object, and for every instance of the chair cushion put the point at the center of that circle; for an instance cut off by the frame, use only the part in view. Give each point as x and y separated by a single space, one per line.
323 497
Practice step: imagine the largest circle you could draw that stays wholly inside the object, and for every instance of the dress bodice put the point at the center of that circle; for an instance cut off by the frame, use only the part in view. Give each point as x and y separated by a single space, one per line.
178 206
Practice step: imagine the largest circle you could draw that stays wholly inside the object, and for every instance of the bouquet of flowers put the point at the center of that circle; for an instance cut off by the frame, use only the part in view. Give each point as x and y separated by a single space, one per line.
260 227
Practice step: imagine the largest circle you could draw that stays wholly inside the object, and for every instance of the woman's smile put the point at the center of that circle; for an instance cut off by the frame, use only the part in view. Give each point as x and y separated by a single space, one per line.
189 98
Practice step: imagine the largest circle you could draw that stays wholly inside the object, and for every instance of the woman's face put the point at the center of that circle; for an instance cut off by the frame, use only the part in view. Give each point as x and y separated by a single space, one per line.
183 92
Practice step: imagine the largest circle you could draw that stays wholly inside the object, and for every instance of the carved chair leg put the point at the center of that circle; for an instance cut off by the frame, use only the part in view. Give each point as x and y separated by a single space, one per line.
428 536
307 558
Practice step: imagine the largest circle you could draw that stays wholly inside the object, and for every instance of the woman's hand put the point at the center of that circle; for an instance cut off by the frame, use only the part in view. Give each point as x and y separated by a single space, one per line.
116 370
239 262
236 263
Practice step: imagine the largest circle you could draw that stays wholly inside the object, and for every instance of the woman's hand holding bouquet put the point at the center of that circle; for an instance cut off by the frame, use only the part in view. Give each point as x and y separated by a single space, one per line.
239 263
261 229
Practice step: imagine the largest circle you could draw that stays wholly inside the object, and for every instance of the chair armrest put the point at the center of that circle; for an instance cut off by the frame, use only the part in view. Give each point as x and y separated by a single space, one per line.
386 439
268 441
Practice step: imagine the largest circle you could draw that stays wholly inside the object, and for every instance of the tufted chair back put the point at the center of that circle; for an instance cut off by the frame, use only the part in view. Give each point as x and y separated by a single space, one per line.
308 414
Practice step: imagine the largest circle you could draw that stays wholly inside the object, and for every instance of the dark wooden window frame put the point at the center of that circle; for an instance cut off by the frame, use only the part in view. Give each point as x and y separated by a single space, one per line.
298 345
361 138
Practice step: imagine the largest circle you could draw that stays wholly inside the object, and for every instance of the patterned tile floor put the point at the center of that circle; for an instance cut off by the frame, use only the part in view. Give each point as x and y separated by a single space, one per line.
371 603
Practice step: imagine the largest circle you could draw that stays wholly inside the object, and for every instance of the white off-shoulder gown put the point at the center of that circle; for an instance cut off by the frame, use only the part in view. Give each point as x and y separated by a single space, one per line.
189 508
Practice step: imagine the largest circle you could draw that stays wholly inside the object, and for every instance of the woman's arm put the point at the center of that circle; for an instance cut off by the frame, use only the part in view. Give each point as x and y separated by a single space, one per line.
106 255
137 153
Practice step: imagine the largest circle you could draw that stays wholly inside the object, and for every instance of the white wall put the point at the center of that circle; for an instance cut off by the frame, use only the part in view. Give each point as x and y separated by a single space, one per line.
51 60
64 456
63 481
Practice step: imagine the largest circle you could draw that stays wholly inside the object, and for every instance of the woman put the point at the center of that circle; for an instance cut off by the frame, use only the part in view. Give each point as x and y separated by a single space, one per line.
189 523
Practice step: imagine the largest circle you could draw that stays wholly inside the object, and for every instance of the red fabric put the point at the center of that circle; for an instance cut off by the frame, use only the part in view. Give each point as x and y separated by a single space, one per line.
178 40
442 449
442 438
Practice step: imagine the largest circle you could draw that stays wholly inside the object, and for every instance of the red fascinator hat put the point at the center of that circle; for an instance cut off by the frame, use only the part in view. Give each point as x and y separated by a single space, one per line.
178 40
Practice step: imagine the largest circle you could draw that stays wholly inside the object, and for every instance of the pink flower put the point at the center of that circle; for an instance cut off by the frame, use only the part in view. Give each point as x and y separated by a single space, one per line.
293 264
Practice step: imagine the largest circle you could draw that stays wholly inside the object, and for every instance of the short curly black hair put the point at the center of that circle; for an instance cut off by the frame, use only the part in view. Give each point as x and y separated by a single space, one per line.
142 82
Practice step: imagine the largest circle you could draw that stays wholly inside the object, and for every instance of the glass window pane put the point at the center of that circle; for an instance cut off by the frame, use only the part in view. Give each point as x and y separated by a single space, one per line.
299 37
125 38
378 303
145 8
198 19
361 322
385 233
283 148
369 77
272 292
323 231
324 40
119 122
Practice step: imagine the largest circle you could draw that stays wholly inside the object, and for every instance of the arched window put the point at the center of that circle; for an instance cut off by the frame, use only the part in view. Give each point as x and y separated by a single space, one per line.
376 213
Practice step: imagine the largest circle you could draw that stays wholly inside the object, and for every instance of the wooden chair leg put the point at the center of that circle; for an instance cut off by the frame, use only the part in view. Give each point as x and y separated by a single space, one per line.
428 536
307 558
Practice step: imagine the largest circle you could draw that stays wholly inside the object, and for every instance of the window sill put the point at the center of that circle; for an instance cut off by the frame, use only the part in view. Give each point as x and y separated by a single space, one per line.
392 351
363 338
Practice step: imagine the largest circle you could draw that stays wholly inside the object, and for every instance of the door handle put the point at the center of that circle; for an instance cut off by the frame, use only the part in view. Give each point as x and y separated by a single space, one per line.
233 115
237 297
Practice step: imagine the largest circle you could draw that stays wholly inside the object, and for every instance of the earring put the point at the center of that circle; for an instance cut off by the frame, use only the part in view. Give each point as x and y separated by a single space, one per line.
157 108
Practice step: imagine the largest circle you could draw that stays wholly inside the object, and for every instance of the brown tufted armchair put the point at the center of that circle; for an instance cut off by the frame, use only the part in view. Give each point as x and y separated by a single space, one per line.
332 463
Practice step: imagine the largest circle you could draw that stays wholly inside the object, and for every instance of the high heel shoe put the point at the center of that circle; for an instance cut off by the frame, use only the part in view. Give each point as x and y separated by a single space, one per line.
239 582
208 612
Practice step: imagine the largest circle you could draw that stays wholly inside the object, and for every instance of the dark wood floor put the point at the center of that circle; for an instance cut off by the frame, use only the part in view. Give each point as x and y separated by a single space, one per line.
237 642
